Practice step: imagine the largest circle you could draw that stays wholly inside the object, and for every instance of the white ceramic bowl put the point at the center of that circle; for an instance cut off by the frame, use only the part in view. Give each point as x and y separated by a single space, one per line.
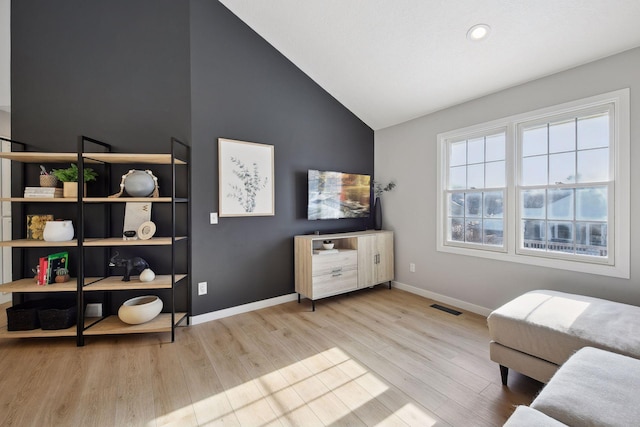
140 309
328 245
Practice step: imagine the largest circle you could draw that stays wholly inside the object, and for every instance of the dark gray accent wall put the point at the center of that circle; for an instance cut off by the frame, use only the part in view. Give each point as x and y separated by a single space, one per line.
114 70
135 72
244 89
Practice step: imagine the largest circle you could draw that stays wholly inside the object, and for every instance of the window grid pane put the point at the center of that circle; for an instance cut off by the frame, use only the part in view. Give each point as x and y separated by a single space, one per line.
475 164
559 216
584 233
476 217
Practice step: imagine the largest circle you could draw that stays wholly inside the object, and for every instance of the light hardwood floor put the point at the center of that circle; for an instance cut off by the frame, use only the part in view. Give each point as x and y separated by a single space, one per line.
374 357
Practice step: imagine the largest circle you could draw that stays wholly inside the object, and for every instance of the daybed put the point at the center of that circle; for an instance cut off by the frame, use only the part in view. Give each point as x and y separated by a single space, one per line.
537 332
593 388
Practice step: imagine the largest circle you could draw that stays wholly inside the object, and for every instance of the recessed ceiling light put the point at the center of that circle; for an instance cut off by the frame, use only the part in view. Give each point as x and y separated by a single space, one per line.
478 32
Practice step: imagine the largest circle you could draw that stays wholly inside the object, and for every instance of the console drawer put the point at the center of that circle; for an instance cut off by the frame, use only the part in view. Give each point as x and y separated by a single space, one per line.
334 283
334 263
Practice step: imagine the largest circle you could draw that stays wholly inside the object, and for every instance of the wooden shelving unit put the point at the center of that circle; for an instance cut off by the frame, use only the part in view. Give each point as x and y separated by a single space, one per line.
108 285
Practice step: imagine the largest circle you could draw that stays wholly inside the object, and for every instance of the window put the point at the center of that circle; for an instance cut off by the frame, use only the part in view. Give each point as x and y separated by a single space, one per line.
564 193
547 188
476 188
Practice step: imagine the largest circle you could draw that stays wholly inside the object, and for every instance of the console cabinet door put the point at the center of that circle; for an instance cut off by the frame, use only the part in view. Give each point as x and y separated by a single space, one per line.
384 266
375 259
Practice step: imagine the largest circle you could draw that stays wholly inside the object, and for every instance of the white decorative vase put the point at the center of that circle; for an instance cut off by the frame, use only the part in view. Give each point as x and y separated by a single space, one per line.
140 309
58 231
147 275
139 184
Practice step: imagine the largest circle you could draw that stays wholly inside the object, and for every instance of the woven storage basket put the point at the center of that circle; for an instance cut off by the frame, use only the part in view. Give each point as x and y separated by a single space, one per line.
58 315
24 317
48 181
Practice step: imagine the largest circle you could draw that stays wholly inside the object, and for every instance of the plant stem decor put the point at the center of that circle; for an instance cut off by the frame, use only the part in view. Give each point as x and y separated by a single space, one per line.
378 189
252 183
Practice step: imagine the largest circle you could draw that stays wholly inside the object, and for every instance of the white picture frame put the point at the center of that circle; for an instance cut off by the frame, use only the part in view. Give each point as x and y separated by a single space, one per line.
246 178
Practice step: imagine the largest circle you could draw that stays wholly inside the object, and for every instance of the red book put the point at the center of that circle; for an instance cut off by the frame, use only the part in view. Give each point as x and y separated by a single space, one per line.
42 274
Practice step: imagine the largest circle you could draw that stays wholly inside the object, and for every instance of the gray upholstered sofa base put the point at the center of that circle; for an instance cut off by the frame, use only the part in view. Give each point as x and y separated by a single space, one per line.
537 332
593 388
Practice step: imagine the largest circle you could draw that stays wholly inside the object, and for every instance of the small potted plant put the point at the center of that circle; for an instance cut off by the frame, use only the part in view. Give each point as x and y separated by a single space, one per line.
69 179
62 275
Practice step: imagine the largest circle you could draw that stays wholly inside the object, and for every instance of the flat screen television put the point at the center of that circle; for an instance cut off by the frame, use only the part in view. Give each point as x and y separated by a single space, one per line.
335 195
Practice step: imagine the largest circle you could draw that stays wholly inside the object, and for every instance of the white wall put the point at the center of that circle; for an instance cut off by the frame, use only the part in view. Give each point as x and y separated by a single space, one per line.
406 153
5 55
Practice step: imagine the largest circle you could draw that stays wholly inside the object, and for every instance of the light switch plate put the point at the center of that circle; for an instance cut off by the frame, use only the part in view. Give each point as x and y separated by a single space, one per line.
202 288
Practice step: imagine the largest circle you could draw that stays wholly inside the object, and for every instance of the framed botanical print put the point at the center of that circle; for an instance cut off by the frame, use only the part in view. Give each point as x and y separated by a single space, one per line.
246 172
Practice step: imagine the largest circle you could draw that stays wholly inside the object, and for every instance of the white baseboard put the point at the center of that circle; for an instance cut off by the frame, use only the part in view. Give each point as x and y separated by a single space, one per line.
245 308
483 311
5 297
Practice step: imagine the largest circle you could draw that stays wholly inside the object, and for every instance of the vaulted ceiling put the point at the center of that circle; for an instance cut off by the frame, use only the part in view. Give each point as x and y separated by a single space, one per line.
390 61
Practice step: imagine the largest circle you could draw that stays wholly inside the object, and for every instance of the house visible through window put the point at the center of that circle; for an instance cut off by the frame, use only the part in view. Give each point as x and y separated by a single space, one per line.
548 188
564 184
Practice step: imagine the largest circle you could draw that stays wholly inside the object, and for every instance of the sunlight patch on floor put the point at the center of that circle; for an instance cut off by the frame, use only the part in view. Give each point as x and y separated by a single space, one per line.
322 389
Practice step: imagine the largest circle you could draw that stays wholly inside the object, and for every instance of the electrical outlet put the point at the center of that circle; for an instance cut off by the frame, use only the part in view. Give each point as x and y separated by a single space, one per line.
202 288
213 217
412 267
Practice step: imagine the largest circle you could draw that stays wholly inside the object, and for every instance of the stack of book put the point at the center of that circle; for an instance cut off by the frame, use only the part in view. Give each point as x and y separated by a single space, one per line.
49 264
42 192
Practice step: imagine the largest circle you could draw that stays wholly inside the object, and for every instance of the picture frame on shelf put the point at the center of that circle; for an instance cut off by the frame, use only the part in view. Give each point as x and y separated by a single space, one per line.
246 178
35 226
135 215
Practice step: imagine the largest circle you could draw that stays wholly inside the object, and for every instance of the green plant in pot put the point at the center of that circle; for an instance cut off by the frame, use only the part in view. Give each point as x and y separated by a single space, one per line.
62 275
69 178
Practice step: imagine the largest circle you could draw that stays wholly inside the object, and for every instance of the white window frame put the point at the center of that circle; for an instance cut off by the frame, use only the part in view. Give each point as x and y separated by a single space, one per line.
619 219
461 137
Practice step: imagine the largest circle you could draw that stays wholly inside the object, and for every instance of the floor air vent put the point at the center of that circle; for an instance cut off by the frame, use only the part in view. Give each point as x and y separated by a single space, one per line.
447 309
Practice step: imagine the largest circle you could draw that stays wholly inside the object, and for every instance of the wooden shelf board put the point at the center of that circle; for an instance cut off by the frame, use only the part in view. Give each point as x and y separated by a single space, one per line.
129 158
93 241
117 241
69 332
41 157
26 243
115 283
29 285
122 158
93 199
112 325
126 199
111 283
39 199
